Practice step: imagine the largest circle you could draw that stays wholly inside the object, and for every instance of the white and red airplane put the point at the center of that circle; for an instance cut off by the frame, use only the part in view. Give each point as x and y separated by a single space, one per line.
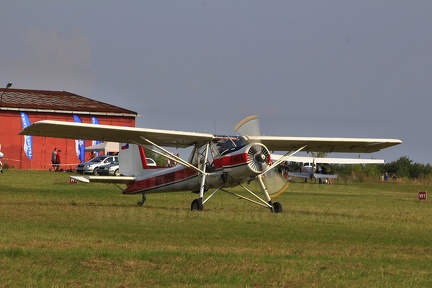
216 162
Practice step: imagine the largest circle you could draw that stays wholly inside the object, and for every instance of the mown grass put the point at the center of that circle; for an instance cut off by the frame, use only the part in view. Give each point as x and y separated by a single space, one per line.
56 234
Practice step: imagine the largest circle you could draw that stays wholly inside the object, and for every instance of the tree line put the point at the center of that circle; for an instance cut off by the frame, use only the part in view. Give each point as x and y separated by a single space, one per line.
402 168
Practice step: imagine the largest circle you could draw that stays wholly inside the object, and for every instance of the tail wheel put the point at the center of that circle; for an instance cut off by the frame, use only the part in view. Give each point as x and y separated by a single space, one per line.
197 205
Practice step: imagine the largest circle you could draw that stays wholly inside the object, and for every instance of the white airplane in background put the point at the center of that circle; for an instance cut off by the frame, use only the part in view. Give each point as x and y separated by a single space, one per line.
311 168
216 162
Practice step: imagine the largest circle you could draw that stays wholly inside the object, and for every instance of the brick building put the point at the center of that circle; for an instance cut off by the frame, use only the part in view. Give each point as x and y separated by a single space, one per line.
21 107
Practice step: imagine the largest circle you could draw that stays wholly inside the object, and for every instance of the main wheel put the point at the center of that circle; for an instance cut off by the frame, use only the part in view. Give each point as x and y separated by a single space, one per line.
197 205
277 207
117 172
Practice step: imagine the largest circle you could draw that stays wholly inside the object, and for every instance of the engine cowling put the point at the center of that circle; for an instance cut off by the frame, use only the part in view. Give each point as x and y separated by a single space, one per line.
243 164
258 157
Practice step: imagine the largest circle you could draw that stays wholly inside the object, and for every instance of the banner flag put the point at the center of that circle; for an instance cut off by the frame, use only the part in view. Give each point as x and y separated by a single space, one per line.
28 141
95 142
79 143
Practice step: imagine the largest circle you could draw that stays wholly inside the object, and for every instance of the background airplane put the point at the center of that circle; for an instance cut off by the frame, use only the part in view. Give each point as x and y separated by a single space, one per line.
216 163
315 167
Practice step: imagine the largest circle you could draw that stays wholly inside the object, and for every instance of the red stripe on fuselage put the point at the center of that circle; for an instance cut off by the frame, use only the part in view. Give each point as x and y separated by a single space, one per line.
230 160
160 181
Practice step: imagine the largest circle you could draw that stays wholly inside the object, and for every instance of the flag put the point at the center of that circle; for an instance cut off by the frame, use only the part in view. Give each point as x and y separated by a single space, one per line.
28 142
79 143
95 142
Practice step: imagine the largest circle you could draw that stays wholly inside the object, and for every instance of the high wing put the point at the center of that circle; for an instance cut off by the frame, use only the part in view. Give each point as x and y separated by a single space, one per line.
179 139
324 144
71 130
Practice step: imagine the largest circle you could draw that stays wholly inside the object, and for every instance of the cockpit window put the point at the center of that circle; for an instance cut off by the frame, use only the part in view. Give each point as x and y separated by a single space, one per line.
227 144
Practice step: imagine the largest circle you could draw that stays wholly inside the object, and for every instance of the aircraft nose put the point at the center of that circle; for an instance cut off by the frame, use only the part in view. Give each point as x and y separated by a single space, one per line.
260 157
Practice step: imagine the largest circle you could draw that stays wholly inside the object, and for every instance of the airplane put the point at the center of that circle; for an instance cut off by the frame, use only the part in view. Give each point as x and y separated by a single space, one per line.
217 162
310 168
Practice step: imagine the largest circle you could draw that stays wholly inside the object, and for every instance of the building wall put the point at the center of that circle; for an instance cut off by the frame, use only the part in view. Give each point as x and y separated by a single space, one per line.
12 144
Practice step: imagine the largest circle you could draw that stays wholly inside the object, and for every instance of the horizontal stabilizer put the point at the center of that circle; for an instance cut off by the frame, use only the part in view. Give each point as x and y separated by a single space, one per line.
80 179
105 179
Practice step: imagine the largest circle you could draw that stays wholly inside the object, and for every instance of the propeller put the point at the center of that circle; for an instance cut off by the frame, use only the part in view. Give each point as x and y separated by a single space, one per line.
259 158
248 126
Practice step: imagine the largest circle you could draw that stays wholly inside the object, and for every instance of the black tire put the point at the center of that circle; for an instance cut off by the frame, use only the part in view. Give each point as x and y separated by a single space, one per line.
197 205
117 172
95 171
277 207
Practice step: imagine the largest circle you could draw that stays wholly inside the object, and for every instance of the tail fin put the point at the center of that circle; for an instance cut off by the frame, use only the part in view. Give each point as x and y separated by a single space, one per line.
132 160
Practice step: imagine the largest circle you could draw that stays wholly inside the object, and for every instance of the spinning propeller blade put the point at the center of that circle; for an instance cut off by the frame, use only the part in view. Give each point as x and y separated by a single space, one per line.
274 183
248 126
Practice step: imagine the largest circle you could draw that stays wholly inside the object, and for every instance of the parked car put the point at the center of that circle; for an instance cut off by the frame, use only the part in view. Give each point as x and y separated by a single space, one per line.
91 166
112 169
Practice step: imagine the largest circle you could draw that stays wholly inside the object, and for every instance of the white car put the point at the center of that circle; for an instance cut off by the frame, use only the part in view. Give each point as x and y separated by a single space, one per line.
112 169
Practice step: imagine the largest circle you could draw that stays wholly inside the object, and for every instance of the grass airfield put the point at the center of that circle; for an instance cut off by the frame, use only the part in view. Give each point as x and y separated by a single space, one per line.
57 234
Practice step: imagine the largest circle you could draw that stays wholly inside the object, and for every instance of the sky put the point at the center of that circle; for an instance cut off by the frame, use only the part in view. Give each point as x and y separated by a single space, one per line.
306 68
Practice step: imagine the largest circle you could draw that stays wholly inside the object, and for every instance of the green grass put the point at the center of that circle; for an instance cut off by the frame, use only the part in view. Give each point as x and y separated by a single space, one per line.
56 234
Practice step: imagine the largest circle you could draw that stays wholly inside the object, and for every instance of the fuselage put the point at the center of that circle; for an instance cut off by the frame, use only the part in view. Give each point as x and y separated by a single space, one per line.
231 167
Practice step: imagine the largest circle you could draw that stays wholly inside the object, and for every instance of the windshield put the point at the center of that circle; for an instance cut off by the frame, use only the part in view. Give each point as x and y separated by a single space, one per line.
227 144
98 159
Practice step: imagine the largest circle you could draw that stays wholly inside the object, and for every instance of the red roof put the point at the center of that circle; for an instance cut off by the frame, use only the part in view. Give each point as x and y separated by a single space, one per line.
60 101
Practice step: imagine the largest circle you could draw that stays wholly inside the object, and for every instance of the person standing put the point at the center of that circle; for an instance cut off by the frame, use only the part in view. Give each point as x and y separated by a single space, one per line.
54 159
1 164
58 160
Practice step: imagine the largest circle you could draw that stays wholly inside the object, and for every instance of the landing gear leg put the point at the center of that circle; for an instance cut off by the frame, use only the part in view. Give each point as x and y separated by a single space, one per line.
274 207
143 199
197 204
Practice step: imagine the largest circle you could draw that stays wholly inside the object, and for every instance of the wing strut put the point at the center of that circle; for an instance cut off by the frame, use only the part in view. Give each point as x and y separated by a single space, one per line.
165 153
204 174
281 159
197 204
